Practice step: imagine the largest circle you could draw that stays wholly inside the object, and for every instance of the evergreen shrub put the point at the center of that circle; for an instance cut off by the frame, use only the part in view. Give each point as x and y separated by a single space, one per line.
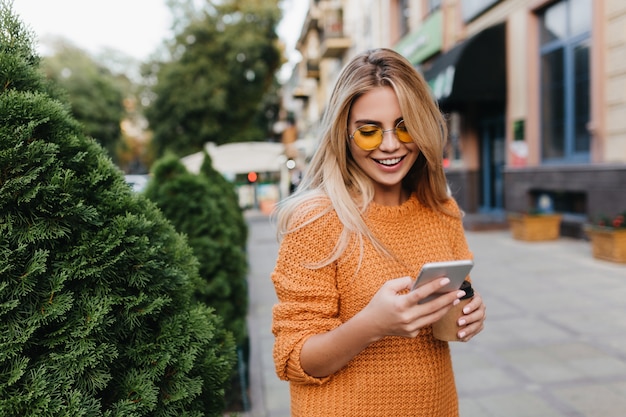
228 201
97 314
205 208
202 209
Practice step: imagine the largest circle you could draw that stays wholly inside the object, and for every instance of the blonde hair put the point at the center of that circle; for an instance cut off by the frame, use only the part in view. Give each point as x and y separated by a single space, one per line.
333 181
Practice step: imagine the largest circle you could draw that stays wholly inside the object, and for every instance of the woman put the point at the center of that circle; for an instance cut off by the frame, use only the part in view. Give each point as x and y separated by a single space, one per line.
372 208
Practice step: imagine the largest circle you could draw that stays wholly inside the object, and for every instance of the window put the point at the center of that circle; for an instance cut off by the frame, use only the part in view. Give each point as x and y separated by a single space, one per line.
565 30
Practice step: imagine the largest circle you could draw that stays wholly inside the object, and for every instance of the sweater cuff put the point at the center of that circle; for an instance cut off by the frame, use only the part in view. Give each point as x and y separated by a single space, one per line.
294 371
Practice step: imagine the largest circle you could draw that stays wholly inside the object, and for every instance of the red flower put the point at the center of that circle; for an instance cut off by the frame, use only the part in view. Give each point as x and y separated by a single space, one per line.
617 222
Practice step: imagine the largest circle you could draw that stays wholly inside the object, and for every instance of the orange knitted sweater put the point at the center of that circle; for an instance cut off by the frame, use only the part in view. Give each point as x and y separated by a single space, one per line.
394 376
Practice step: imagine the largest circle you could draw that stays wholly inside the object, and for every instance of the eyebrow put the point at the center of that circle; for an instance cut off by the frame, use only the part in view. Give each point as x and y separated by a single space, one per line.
375 122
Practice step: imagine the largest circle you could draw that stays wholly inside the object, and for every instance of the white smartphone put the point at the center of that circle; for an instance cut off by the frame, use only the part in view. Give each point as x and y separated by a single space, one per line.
456 271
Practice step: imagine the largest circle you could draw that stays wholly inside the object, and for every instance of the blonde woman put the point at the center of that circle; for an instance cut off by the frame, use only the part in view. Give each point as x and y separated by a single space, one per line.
372 208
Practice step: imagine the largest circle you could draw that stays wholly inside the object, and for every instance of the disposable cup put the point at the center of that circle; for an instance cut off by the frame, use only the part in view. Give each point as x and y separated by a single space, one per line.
447 328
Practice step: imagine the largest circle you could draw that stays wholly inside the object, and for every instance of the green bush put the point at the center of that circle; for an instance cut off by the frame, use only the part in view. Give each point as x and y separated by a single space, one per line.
227 198
97 316
202 210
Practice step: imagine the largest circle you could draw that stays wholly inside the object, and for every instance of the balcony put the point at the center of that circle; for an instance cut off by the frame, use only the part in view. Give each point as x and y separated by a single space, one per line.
333 43
335 47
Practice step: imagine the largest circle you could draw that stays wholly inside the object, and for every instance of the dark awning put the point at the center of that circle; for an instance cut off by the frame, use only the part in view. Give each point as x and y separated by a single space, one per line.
474 71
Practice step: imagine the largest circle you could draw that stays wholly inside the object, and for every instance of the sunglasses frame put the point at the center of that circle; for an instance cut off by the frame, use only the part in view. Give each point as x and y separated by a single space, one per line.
382 135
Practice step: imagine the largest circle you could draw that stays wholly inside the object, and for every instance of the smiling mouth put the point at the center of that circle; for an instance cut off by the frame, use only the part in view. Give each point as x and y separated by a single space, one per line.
389 162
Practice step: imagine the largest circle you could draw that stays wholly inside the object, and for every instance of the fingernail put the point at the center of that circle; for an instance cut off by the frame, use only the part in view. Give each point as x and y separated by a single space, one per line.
466 310
460 294
461 335
462 322
444 281
455 302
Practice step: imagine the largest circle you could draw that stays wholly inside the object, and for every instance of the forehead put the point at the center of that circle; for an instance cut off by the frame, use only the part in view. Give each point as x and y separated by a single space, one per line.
379 104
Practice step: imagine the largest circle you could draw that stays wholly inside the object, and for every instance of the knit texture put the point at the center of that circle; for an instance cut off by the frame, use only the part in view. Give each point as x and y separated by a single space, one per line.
394 376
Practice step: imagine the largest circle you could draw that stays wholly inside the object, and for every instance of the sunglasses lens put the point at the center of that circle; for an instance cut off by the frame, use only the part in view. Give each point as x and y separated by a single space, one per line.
402 133
368 137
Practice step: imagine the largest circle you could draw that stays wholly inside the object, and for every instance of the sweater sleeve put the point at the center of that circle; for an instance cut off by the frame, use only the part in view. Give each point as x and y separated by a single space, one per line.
308 300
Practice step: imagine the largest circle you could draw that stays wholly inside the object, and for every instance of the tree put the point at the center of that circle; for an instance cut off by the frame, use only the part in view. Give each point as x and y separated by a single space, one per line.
223 63
97 316
96 95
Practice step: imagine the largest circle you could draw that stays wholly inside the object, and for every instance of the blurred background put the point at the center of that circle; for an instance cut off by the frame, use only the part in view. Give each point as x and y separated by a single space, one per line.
533 91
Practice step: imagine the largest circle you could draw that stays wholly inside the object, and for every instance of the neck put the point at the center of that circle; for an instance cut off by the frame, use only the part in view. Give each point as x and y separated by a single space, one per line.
391 197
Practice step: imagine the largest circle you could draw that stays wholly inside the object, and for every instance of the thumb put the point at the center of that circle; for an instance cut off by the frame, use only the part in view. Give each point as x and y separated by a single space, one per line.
400 284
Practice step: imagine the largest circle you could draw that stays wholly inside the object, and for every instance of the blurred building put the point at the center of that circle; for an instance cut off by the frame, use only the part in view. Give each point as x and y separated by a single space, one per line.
257 169
534 92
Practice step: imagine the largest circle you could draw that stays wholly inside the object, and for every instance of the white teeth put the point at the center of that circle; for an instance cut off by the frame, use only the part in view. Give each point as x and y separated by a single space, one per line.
389 161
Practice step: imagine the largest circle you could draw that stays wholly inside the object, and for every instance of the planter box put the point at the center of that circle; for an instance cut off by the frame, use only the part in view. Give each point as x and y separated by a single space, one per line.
608 244
535 227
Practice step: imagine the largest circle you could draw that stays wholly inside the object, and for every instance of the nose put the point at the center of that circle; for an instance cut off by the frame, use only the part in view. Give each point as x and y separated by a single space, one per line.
390 140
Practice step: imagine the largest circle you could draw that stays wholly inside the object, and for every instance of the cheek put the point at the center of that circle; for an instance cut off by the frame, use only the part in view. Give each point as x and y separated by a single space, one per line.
358 154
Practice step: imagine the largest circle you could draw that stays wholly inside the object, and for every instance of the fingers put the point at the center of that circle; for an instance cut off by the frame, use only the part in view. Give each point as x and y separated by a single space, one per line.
474 311
395 311
473 319
431 311
399 284
474 304
388 312
469 331
433 287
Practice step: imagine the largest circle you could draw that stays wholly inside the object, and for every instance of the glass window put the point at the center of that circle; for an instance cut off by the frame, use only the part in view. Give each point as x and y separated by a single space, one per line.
552 104
582 106
565 70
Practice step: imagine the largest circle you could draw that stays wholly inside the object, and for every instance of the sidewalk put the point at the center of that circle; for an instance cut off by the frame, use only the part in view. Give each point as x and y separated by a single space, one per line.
554 343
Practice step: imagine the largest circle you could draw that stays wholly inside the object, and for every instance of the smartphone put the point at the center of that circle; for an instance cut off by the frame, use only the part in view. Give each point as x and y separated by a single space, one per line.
456 271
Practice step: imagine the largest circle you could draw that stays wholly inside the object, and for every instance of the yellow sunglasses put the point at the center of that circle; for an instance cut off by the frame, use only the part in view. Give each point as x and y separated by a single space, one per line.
369 137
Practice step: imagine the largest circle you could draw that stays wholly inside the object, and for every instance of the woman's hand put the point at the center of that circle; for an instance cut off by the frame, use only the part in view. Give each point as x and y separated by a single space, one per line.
472 321
395 312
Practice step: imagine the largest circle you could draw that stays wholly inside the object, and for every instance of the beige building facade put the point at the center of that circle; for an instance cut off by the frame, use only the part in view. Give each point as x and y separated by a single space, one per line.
534 92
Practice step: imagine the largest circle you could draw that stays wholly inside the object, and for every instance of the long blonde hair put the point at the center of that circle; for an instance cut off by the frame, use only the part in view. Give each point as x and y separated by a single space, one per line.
333 181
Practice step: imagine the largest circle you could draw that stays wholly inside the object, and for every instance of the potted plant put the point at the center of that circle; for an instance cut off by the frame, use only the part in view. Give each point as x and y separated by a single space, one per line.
608 237
535 225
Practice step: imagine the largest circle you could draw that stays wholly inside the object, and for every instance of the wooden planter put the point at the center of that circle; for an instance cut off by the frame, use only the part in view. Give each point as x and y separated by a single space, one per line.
535 227
608 244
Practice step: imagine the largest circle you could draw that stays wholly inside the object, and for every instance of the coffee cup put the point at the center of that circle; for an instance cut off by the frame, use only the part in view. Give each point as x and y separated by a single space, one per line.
447 328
